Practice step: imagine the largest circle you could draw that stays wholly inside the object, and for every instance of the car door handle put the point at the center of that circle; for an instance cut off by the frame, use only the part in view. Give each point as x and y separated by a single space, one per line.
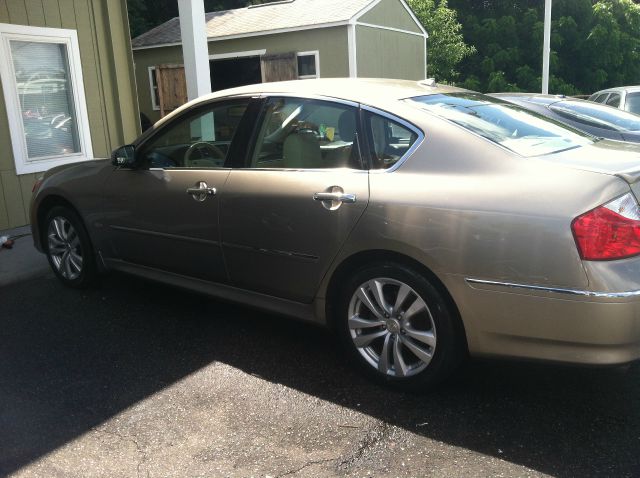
339 197
208 191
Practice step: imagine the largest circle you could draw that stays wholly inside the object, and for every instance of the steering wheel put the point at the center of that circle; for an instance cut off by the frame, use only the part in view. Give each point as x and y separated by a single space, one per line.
210 156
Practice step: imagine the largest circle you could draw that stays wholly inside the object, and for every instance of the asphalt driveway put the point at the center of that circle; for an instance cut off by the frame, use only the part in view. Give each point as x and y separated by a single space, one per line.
138 379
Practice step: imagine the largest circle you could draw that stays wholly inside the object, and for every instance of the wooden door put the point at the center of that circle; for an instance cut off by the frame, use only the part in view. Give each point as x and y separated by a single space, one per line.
172 87
280 67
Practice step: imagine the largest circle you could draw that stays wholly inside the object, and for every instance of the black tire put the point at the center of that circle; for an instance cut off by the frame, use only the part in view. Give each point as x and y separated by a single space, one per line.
65 239
433 323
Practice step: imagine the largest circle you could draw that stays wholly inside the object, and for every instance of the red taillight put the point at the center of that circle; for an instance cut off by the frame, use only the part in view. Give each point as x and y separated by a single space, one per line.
609 232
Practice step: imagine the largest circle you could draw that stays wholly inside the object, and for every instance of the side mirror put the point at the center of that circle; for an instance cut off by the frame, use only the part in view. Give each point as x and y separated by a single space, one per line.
124 156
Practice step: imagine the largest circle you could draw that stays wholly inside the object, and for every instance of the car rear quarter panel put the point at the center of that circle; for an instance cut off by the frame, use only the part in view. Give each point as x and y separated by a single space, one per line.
466 208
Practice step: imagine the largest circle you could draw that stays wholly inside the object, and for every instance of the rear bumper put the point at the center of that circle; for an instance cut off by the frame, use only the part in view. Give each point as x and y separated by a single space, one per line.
564 325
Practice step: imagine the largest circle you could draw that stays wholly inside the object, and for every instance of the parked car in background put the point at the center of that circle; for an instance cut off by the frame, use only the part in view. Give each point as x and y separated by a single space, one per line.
599 120
422 223
626 98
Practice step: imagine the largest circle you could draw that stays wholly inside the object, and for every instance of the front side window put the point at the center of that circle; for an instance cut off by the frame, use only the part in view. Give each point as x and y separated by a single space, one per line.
297 133
198 140
44 94
513 127
632 103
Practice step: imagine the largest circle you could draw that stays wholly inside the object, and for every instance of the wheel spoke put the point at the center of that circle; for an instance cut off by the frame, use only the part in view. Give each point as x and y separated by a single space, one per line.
426 337
398 362
383 363
417 306
364 298
363 340
376 289
56 249
66 265
76 260
58 224
357 322
55 240
418 351
403 292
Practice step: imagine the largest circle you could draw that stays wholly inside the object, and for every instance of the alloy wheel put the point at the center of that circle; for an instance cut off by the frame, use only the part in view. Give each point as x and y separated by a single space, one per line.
65 248
392 327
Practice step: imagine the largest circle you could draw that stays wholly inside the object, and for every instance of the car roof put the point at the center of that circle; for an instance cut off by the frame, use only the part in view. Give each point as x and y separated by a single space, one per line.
618 89
537 98
370 91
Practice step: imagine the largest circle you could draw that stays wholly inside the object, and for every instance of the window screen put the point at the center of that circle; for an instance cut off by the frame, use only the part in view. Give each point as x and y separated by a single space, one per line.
45 92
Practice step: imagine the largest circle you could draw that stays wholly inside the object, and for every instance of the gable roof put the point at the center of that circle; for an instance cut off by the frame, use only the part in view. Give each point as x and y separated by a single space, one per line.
260 19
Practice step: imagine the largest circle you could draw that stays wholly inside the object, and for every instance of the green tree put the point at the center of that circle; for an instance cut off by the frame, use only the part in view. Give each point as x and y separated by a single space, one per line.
446 46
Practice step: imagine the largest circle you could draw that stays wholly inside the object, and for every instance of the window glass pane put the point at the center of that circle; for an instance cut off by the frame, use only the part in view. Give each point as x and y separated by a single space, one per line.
198 141
46 98
299 133
633 103
388 140
601 98
614 100
598 115
520 130
307 65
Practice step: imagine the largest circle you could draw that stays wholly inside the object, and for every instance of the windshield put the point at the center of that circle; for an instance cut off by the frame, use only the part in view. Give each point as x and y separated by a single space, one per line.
598 115
522 131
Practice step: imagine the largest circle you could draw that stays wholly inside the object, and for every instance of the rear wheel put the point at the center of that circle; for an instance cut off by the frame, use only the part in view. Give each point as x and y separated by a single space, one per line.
398 327
69 249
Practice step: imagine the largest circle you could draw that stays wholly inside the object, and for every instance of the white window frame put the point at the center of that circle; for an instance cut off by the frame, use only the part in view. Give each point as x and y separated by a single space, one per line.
154 103
316 54
69 38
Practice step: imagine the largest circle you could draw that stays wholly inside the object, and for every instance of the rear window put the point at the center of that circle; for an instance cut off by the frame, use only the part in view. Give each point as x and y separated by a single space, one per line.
597 115
513 127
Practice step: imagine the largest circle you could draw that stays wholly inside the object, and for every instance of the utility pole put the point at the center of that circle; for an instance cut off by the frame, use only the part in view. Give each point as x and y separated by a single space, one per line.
546 49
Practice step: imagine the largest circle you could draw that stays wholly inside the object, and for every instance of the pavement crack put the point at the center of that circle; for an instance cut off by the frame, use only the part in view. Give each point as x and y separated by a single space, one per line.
306 465
373 437
130 439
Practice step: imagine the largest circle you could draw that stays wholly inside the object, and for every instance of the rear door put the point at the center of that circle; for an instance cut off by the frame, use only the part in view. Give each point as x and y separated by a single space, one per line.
289 207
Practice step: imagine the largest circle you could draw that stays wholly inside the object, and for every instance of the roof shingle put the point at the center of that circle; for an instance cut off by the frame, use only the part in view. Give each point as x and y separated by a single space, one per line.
257 19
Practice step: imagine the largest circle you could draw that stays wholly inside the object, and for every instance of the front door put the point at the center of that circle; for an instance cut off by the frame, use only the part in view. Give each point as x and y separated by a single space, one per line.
285 214
164 213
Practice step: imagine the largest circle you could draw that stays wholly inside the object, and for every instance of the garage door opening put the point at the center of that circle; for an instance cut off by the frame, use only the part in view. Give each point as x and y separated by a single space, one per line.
232 72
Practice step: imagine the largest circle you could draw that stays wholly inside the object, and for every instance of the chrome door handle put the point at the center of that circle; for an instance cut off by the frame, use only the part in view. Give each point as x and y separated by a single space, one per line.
201 191
339 197
208 191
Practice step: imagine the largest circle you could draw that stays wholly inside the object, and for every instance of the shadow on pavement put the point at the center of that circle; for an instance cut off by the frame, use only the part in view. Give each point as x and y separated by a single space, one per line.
70 360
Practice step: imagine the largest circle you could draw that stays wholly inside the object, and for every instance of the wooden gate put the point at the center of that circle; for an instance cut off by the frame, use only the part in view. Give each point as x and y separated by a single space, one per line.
172 87
281 67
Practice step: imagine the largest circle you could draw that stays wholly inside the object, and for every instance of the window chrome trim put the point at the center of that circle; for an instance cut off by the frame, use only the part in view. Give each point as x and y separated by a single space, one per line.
557 290
416 144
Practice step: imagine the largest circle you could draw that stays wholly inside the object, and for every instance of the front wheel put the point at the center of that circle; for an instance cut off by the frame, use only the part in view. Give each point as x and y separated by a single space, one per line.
397 327
69 249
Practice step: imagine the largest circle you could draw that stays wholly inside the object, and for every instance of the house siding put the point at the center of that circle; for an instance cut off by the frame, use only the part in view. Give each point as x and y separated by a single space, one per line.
391 13
397 55
330 42
109 84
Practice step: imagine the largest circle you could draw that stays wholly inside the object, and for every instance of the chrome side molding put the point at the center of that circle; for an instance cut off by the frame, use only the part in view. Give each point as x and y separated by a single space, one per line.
556 290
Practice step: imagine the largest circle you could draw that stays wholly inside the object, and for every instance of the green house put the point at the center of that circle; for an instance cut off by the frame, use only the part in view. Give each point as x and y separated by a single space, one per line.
67 92
284 40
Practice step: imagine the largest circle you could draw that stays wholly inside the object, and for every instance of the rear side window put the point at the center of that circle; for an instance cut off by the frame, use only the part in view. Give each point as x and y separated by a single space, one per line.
600 98
388 140
614 100
597 115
